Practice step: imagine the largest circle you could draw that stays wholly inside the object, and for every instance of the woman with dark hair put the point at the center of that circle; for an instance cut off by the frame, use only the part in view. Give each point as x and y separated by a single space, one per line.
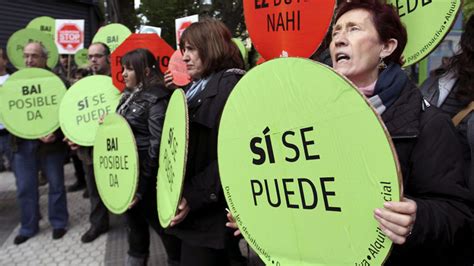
430 224
143 105
452 90
214 63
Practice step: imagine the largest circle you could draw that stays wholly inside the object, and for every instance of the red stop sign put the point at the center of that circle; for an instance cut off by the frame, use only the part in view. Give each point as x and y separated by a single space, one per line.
70 37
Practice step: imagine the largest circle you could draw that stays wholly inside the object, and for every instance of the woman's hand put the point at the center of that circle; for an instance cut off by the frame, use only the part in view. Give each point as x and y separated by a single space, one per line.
183 210
396 219
73 146
134 202
232 223
169 80
48 138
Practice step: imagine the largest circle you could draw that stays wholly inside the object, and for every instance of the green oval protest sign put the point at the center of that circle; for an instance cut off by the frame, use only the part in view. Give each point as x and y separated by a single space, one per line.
112 35
173 154
21 38
115 163
29 102
44 24
83 105
304 161
242 48
427 23
81 58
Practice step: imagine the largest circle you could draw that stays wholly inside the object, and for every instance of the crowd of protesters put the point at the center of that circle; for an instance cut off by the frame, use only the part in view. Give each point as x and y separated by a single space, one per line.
432 224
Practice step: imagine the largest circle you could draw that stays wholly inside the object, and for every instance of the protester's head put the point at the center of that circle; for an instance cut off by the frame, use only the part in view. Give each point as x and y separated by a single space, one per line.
140 66
207 47
463 63
64 60
35 55
99 58
79 74
3 60
365 34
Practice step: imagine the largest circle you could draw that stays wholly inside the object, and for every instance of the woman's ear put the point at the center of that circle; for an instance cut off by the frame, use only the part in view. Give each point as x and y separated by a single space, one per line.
388 48
147 71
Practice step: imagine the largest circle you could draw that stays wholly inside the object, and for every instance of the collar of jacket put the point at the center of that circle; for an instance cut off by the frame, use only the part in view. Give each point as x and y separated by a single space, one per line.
402 119
211 90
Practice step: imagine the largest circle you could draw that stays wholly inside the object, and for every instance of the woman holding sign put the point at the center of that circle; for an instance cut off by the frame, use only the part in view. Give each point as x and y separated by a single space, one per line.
430 225
214 63
143 105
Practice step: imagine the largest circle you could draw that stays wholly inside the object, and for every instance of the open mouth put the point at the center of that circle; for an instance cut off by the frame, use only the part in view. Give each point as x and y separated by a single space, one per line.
342 56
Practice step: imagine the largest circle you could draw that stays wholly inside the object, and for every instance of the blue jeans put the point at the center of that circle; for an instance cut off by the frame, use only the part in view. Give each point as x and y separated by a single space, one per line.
26 164
5 150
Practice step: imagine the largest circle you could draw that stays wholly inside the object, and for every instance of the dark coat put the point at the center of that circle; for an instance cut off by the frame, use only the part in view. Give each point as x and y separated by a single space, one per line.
205 224
145 114
432 166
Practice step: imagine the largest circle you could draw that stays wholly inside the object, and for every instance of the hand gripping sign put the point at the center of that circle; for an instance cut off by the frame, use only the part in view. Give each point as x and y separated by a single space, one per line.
427 24
304 160
112 35
84 104
29 102
157 46
287 28
173 154
21 38
115 163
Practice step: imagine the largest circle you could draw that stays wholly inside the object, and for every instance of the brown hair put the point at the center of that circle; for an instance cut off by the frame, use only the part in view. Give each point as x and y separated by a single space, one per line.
386 22
139 60
214 44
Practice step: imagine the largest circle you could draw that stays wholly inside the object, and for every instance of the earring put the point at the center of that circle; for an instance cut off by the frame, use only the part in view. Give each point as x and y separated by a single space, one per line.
382 64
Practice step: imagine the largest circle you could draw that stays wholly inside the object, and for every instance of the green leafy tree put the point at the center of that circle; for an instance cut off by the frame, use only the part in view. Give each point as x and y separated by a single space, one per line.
162 13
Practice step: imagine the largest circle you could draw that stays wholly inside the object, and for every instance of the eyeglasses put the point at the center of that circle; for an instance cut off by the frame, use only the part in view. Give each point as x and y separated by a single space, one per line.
98 56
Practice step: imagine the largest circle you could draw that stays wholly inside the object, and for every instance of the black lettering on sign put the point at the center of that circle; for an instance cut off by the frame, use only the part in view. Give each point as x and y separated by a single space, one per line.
405 7
112 144
45 28
32 115
32 102
289 189
112 39
287 21
261 4
27 90
113 180
290 140
84 103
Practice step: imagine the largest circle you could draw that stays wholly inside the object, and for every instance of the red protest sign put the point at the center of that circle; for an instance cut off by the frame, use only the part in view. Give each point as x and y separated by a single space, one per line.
157 46
69 37
179 70
288 28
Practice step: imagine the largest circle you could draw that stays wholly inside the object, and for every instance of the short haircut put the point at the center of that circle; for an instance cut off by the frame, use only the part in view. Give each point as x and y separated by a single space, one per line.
214 44
44 51
386 22
106 48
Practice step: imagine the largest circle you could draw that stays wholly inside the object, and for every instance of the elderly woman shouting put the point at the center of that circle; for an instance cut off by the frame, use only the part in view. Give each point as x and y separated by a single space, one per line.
430 223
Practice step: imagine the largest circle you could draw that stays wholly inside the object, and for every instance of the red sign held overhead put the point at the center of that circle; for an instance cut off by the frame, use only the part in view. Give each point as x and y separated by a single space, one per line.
70 37
287 28
157 46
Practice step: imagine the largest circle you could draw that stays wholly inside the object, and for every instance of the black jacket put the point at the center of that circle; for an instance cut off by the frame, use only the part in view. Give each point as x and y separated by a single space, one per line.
205 224
432 166
145 114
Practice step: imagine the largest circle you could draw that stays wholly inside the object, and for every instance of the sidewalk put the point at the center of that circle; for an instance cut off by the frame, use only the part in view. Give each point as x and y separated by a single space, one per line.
108 249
